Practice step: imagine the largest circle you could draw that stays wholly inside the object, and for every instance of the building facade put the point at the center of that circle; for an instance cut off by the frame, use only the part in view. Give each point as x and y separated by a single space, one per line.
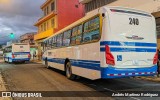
57 15
94 4
157 16
28 38
146 5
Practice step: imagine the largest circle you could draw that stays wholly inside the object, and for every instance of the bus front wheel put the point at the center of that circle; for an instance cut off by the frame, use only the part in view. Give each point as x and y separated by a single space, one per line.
68 70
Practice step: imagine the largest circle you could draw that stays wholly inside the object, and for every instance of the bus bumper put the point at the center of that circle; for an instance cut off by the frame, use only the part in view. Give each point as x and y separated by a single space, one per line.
21 60
111 72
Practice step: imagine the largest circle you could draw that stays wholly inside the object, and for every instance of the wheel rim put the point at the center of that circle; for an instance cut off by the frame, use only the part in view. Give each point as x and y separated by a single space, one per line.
68 70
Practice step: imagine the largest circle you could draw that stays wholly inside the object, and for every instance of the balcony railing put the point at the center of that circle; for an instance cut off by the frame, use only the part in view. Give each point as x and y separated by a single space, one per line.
84 1
43 19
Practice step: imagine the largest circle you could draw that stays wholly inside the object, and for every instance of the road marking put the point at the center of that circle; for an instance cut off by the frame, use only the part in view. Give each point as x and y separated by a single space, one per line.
93 84
135 98
110 90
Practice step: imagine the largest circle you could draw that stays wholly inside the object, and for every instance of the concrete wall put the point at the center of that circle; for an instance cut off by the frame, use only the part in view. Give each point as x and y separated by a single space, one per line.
146 5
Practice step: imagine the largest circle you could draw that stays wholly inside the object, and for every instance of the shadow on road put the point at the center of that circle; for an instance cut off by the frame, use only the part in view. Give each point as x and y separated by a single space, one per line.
125 84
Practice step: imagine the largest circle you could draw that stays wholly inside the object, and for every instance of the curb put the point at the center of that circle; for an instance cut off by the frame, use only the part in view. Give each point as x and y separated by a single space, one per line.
39 62
3 88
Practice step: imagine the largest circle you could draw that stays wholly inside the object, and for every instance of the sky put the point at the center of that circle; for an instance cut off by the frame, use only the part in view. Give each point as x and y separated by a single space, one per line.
18 17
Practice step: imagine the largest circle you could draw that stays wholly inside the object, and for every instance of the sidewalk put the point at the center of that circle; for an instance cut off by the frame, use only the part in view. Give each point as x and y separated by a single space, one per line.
3 88
37 61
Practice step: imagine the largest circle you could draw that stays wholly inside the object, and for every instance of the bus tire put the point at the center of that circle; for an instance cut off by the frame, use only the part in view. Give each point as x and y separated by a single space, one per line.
68 70
46 64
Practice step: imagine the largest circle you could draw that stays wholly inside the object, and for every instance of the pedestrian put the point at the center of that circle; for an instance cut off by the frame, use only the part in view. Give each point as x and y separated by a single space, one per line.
34 55
158 66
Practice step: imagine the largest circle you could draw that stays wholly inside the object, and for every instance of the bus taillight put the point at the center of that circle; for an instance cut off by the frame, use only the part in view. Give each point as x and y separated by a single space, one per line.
109 56
29 55
155 59
13 56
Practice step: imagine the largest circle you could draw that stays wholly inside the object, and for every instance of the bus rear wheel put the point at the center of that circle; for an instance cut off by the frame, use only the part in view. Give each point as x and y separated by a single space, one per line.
68 70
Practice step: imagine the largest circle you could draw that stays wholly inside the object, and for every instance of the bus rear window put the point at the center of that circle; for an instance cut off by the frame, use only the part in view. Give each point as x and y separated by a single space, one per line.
129 12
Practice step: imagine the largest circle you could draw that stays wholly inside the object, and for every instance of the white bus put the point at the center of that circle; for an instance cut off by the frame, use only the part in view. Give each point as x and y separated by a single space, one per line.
17 52
115 42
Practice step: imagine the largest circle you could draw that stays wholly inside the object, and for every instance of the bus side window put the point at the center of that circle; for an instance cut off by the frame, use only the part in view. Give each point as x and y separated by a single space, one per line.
50 43
91 33
44 46
66 38
79 34
54 41
86 27
47 42
73 36
59 40
76 35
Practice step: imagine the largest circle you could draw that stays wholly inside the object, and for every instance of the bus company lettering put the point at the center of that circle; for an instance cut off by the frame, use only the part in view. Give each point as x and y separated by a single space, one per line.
34 95
14 94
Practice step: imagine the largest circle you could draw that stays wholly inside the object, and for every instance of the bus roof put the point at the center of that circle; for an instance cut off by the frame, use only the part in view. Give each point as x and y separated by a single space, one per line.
20 43
94 13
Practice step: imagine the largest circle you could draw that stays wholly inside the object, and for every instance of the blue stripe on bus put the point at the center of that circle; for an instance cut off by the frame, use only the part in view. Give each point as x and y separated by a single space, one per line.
87 61
17 59
89 64
115 49
21 59
105 70
113 70
119 43
20 53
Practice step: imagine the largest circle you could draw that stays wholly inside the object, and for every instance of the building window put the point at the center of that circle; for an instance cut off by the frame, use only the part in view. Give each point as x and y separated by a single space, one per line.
47 25
52 23
94 4
52 6
47 10
41 28
44 26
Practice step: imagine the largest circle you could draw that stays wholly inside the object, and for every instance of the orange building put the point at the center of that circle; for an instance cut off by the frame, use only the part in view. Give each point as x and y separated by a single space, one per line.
57 15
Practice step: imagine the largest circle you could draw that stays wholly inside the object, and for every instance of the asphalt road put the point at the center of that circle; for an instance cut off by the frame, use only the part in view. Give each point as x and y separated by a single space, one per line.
35 77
